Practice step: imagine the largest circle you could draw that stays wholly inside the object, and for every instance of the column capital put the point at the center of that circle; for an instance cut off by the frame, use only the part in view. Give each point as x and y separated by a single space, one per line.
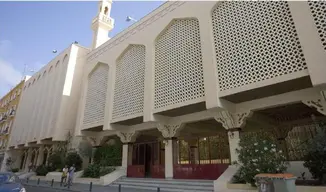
232 120
169 130
316 103
127 137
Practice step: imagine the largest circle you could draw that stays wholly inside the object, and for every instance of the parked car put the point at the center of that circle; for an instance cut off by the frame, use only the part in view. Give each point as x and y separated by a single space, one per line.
9 182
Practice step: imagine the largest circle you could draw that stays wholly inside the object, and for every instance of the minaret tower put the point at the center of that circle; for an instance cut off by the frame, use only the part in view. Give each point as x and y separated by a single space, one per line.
102 24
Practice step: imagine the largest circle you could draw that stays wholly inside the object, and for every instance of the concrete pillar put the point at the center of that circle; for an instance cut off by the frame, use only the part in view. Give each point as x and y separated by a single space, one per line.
233 122
127 138
169 131
3 164
169 158
130 151
18 155
125 151
40 156
234 139
28 160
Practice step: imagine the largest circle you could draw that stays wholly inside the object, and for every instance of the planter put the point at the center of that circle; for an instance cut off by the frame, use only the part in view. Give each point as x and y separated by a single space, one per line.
311 188
240 186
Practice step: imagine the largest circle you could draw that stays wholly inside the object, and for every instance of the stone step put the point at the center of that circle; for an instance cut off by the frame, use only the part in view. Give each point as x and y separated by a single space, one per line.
166 185
162 189
173 185
170 181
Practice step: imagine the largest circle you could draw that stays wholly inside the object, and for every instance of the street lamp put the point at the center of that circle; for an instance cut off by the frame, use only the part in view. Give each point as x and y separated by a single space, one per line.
130 19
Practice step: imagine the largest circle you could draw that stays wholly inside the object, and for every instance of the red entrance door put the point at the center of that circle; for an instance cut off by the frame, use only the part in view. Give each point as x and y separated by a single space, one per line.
147 160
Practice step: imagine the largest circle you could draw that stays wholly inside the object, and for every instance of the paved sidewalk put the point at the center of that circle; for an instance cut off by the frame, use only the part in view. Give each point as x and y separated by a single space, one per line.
78 187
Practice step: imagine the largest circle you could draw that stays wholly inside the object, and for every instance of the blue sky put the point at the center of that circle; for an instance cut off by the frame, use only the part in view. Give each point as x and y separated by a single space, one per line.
29 31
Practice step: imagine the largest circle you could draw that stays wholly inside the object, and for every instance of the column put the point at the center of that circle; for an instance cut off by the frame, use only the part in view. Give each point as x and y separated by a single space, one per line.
127 138
125 151
234 139
4 162
233 123
40 156
28 159
169 132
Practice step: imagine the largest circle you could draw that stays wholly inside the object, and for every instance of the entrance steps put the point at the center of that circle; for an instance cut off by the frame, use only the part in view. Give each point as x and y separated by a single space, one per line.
171 185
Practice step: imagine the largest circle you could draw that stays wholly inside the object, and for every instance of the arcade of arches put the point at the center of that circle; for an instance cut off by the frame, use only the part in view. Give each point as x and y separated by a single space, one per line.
204 149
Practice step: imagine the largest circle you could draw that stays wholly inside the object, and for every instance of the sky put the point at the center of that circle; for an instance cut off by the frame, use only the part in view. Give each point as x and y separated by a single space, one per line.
29 31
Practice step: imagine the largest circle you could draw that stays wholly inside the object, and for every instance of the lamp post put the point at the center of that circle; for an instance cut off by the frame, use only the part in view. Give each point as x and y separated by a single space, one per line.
128 19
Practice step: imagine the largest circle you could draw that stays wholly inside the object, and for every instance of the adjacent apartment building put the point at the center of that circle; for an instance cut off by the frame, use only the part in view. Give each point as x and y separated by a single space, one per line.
8 107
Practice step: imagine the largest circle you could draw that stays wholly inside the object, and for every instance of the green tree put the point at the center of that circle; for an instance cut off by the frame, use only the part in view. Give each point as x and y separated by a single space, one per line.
108 155
258 153
315 159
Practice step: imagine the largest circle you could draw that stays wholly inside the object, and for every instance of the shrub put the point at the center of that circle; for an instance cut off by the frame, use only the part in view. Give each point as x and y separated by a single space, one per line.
108 155
74 158
106 170
92 171
56 161
258 154
14 170
315 159
238 177
41 170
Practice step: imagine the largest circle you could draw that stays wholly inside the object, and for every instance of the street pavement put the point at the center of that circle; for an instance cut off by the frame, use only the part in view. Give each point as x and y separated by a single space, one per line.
45 186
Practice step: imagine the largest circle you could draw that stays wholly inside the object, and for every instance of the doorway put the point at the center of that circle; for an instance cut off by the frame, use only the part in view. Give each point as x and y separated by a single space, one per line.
147 160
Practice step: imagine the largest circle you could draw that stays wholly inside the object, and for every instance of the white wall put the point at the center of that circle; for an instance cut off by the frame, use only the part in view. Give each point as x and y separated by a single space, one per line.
48 106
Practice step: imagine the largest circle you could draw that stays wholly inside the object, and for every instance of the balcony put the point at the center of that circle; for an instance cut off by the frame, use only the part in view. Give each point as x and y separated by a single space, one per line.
104 19
12 113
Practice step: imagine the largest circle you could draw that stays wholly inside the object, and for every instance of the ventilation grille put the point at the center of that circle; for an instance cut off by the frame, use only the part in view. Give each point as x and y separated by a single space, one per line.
178 64
318 10
96 95
129 83
255 41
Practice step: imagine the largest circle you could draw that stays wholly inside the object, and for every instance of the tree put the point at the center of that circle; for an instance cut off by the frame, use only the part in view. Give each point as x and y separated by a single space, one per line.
258 153
315 159
74 158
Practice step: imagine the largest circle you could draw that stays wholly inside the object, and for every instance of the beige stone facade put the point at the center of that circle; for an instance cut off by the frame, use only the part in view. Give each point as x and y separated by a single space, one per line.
196 69
189 76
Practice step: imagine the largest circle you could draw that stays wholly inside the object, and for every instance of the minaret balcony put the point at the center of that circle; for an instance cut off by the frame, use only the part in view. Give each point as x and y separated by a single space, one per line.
104 19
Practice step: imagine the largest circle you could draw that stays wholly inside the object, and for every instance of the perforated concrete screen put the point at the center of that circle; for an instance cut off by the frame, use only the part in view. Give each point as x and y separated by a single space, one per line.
96 95
129 83
254 41
318 10
178 64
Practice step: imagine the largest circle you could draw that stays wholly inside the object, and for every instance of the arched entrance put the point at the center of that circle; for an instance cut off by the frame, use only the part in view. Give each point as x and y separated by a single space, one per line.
147 156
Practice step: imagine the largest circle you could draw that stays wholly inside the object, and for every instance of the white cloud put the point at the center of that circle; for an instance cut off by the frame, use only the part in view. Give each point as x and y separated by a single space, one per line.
9 76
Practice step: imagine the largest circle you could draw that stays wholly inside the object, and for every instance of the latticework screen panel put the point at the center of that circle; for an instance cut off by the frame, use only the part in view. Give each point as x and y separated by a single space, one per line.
255 41
178 64
318 10
96 95
129 83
